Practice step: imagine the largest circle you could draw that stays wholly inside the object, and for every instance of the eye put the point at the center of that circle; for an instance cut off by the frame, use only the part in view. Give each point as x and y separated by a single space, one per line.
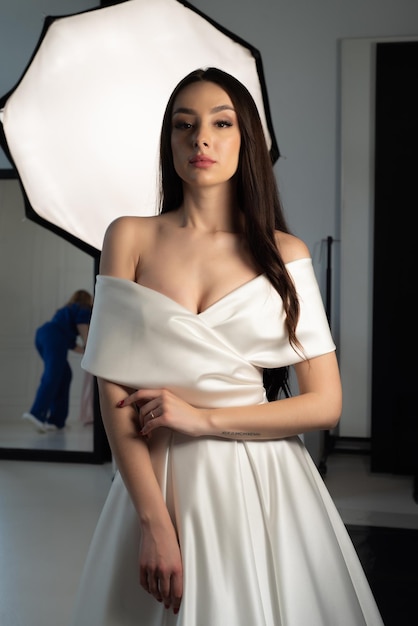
182 125
223 124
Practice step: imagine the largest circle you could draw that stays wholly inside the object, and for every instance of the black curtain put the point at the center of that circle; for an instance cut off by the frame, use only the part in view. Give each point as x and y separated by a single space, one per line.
394 361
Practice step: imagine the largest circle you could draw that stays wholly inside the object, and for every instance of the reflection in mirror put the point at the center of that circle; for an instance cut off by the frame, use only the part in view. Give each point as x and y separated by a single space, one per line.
39 272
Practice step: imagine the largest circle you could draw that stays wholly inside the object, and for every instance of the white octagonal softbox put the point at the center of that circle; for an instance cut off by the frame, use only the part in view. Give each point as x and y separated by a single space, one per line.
82 125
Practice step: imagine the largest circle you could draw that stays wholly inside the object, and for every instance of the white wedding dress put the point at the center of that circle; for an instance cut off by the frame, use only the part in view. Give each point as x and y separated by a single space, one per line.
261 540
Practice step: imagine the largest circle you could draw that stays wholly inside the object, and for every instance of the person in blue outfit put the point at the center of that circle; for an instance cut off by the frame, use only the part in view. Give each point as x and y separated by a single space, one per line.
53 339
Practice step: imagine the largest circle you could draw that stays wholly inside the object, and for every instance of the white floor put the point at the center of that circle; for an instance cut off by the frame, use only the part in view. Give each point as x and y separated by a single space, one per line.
363 498
48 512
19 433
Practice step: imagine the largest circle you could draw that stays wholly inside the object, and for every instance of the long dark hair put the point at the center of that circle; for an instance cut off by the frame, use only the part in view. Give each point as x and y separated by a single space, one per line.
257 196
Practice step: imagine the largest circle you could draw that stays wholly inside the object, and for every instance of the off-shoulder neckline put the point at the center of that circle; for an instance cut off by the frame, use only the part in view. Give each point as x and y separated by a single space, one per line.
229 294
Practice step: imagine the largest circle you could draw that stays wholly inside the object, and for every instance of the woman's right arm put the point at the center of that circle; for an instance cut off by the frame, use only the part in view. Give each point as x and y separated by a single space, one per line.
160 564
160 559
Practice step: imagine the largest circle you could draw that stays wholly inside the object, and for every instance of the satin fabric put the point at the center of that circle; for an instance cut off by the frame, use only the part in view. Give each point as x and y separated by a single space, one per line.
261 540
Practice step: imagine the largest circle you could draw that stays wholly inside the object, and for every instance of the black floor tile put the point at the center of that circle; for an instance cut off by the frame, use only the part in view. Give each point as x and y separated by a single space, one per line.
390 560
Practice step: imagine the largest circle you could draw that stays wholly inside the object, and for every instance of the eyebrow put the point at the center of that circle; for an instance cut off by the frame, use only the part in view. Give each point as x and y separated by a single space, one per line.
221 107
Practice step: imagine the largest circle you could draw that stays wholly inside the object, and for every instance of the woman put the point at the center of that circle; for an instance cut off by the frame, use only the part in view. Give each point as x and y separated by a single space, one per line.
53 339
214 488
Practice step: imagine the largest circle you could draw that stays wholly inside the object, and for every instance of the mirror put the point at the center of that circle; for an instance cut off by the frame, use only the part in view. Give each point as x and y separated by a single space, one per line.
39 272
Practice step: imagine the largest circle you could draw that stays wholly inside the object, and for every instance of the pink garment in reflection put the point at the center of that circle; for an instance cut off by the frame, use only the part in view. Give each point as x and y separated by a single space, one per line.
86 415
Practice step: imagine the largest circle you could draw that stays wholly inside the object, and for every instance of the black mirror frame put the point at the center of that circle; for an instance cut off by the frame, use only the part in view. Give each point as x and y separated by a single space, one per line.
101 450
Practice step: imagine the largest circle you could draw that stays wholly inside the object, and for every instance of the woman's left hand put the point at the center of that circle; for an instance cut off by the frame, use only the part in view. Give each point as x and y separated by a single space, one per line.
162 408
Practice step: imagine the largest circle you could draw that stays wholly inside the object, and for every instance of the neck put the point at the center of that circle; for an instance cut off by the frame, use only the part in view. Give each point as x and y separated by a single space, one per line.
210 209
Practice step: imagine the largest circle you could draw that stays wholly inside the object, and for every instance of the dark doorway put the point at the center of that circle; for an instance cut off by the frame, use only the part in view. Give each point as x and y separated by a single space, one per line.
394 361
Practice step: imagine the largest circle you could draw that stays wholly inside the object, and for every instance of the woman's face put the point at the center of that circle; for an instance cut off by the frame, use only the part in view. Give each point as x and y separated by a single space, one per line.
205 136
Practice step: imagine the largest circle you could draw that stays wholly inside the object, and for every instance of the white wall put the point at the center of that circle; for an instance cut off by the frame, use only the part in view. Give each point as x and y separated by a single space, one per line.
356 276
299 41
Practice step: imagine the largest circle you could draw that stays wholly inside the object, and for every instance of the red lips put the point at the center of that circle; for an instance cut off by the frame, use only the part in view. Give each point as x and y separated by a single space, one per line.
201 159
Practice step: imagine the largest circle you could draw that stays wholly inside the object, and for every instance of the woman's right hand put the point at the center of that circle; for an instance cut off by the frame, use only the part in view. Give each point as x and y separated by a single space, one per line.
160 566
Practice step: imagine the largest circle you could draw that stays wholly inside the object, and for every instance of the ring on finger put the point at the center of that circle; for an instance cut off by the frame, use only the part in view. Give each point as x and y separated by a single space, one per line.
152 415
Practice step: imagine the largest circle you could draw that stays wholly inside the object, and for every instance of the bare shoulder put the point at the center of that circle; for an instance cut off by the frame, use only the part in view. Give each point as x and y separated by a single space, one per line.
127 226
291 248
125 240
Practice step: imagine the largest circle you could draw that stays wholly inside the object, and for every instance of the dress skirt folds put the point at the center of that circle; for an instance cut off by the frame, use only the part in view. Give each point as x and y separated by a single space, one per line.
261 540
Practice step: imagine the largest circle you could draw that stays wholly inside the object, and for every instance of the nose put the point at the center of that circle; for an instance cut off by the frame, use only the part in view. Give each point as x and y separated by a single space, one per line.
201 136
198 142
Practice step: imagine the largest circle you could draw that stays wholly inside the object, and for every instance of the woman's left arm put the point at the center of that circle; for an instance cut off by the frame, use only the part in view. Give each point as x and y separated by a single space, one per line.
83 331
317 406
